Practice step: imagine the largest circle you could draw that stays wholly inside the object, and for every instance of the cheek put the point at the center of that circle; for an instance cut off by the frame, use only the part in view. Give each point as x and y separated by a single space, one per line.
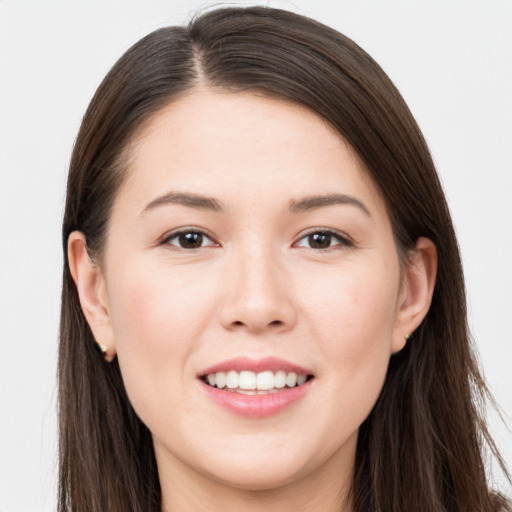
157 318
155 306
353 303
352 319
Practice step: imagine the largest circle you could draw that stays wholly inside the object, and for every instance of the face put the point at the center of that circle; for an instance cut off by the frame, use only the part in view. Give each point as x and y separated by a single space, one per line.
247 245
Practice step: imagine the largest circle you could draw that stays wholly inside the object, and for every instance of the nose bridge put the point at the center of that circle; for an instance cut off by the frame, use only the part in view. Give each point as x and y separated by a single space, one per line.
258 297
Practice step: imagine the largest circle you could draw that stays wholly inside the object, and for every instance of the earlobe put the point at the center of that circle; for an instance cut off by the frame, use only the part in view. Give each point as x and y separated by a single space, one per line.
417 290
90 285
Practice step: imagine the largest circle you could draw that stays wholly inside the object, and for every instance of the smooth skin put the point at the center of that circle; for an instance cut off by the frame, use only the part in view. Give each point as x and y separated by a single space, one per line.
256 283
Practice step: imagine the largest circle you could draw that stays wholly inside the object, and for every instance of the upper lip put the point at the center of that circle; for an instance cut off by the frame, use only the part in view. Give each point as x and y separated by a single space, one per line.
239 364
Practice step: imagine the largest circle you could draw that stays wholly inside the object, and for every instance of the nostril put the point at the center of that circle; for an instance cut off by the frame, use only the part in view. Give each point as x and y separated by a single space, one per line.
274 322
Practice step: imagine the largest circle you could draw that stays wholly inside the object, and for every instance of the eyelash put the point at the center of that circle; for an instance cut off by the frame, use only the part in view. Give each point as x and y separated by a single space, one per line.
343 240
188 231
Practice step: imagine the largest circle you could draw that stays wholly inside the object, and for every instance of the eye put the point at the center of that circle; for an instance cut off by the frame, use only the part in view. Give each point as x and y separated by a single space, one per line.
323 240
188 239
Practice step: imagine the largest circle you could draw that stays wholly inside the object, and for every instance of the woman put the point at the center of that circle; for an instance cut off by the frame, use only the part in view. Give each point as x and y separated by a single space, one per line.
257 242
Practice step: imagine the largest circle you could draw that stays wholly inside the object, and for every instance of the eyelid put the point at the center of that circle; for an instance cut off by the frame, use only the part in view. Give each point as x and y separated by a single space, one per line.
187 229
345 240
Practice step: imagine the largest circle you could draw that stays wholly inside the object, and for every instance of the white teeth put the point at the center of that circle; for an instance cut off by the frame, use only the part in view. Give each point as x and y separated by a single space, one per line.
220 379
280 379
247 380
291 379
232 380
301 379
265 381
246 391
250 383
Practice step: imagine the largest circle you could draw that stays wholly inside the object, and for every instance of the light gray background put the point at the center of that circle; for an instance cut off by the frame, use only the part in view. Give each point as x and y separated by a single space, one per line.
451 59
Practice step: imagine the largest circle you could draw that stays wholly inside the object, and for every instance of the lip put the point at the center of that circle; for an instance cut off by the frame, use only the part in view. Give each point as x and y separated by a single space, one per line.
256 406
239 364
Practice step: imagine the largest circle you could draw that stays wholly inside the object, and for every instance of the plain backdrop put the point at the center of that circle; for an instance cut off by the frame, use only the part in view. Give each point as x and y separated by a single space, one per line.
452 61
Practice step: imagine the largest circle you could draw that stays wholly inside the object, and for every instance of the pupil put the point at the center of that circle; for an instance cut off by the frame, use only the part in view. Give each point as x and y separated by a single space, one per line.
191 240
320 240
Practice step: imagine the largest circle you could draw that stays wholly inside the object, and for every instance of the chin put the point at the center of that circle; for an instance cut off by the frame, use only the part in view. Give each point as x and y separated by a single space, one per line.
265 478
264 468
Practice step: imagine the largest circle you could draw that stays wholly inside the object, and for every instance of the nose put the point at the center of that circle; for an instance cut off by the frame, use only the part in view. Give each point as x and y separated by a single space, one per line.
258 297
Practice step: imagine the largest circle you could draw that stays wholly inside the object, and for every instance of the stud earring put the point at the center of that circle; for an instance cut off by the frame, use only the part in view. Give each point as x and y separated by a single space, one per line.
407 336
101 349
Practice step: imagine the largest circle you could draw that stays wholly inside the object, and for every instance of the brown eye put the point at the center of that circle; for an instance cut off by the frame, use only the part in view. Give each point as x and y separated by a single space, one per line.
189 240
324 240
319 240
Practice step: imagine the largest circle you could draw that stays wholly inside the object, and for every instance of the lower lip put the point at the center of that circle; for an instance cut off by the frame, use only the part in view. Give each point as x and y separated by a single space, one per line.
256 406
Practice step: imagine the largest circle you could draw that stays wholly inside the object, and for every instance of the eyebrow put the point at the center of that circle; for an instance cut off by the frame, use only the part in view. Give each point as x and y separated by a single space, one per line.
197 201
314 202
307 203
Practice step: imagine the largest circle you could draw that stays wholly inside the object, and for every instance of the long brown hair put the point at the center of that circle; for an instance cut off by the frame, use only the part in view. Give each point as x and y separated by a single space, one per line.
421 447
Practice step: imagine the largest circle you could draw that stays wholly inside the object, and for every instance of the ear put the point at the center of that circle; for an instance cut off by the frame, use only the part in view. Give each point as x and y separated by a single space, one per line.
90 285
416 291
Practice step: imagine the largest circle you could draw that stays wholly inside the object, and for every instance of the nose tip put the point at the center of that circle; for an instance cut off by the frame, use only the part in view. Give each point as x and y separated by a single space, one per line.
258 301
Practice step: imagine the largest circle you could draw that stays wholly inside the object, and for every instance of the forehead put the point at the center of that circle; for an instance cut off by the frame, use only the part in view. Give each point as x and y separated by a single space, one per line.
242 147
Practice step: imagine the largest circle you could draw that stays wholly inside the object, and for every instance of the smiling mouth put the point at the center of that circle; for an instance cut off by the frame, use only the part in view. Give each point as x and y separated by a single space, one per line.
251 383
